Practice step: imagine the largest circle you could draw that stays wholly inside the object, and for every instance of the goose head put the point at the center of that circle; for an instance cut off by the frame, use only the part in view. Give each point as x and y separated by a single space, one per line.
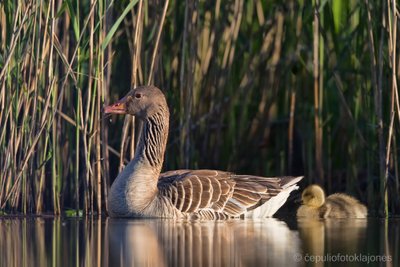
313 196
142 102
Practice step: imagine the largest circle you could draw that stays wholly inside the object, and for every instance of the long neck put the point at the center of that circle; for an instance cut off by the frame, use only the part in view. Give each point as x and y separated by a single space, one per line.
151 148
136 186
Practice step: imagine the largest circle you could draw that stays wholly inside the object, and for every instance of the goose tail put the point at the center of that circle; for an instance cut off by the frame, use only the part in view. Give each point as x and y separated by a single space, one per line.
270 207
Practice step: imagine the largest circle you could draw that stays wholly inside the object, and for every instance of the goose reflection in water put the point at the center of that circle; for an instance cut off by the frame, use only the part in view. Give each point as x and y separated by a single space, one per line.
202 243
123 242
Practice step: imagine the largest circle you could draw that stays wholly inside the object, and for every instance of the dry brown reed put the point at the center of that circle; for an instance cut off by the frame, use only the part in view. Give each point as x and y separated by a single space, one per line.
269 88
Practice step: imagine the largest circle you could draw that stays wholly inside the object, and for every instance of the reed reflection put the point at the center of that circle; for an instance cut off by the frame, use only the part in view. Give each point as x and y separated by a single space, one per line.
52 242
21 242
118 242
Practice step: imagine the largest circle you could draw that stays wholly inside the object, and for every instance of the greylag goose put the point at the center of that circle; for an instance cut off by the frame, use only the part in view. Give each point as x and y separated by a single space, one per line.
141 190
314 205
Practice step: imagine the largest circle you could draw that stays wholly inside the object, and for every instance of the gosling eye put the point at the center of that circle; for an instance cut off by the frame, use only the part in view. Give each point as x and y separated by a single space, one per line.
138 95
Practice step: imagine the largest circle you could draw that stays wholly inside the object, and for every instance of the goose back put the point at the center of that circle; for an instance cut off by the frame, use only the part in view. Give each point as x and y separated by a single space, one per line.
216 194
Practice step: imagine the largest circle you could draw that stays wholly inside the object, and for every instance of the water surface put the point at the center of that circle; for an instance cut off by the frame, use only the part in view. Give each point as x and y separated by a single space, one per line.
155 242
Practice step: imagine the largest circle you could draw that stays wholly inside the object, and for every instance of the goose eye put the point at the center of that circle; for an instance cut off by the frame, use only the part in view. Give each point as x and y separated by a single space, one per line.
137 95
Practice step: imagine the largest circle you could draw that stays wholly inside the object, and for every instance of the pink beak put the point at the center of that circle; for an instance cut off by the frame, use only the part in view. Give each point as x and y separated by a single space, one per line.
116 108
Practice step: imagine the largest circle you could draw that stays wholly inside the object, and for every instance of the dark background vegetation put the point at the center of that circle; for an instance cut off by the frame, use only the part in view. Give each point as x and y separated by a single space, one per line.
260 87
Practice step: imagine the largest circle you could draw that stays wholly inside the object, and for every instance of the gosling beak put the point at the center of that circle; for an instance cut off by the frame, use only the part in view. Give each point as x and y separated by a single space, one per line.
117 108
298 200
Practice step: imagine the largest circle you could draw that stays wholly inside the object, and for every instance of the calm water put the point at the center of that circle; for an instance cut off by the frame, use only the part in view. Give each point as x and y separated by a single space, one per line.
270 242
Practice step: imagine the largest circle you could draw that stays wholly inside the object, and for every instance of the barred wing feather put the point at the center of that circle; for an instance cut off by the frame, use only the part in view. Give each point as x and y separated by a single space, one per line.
216 194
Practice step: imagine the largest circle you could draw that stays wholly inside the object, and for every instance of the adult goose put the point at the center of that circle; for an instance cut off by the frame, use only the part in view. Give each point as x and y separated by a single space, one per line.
141 190
338 205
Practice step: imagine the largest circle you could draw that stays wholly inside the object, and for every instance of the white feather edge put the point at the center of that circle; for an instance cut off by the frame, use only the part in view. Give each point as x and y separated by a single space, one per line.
270 207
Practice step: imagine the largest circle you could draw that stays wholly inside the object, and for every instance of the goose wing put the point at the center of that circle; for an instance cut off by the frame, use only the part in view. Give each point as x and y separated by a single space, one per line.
211 191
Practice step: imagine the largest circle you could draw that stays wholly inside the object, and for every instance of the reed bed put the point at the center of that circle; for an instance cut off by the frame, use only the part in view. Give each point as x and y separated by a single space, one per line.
258 87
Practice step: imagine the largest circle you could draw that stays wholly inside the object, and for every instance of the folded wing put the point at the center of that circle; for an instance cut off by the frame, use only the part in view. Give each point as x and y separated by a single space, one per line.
211 193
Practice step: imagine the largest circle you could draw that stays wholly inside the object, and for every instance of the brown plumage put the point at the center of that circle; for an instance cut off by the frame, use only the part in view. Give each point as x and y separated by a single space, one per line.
215 194
140 189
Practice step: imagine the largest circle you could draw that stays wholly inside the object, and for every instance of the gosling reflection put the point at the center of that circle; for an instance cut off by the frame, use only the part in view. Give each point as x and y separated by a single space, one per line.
322 236
312 234
201 243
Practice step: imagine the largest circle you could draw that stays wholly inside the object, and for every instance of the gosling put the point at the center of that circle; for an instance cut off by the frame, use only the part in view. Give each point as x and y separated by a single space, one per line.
314 205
